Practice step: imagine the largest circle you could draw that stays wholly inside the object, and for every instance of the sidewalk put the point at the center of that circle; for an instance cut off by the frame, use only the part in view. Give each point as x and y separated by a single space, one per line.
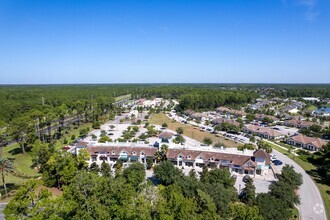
284 148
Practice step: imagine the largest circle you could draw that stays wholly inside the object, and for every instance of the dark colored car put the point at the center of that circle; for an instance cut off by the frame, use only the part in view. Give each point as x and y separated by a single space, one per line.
245 178
277 162
66 148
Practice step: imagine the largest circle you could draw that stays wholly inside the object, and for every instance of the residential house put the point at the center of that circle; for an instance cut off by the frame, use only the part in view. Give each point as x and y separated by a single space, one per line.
310 143
298 123
260 117
294 107
219 121
262 160
264 132
224 110
165 136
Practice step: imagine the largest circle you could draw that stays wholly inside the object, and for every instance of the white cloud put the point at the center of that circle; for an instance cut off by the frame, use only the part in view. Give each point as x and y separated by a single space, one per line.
311 12
308 3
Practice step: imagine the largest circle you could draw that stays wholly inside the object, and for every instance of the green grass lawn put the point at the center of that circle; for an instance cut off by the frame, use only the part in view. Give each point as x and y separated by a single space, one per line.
284 145
59 143
23 169
23 164
191 131
310 168
294 214
312 108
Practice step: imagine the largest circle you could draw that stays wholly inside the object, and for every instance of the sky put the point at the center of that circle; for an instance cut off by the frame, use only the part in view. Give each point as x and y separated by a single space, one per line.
168 41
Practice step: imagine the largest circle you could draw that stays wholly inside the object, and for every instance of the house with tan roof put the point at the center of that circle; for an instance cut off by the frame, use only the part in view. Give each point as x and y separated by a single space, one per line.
219 121
224 110
264 132
309 143
260 117
237 163
262 160
298 123
242 164
111 154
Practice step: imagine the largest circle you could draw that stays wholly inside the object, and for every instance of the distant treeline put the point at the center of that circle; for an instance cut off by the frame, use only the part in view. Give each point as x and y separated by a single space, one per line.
316 90
21 99
17 101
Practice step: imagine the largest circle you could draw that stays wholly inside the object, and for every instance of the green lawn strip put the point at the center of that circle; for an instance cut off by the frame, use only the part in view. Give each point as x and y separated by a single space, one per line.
294 214
284 145
191 131
59 143
308 167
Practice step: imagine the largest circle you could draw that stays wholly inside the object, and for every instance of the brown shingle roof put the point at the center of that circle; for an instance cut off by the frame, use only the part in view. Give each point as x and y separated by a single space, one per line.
234 158
231 111
166 135
317 142
263 154
224 120
148 151
263 130
299 123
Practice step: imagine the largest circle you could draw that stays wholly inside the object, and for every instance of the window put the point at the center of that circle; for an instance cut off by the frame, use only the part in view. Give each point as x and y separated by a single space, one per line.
134 153
188 157
113 152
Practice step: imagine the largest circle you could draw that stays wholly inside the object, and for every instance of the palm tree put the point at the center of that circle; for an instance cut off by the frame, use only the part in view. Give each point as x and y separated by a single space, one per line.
6 167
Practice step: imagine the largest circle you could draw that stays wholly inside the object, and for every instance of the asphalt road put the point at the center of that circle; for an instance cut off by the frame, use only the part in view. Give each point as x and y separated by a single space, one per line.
311 203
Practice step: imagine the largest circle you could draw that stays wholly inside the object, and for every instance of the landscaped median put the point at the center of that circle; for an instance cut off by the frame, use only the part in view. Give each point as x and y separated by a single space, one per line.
309 168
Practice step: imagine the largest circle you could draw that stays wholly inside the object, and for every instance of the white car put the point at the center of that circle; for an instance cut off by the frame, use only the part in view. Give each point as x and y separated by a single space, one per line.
272 157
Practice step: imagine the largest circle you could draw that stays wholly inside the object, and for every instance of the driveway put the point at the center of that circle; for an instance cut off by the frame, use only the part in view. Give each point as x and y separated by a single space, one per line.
311 203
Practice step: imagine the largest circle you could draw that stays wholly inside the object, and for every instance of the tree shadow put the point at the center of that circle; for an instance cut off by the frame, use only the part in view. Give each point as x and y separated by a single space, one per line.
15 151
154 180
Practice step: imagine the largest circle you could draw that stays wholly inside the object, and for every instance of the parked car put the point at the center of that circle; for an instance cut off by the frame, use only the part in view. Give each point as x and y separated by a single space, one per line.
110 134
66 148
277 162
273 158
245 178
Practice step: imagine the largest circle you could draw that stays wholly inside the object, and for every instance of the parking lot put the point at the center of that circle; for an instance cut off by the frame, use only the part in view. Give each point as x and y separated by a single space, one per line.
237 137
261 183
286 130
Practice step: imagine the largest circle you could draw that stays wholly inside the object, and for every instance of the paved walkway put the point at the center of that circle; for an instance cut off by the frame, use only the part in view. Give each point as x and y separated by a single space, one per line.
284 148
2 206
311 203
